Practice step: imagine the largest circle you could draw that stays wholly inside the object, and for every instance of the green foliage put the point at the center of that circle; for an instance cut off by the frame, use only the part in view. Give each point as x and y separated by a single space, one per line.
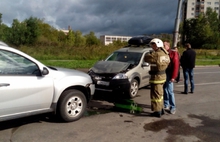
74 64
32 30
79 39
17 33
91 39
36 33
118 43
0 18
202 32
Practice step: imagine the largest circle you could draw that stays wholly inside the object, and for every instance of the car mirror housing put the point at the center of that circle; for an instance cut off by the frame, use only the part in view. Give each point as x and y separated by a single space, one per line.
45 71
145 64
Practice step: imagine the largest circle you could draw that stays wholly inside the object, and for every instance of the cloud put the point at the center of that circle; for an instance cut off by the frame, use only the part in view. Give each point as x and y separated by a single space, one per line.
111 17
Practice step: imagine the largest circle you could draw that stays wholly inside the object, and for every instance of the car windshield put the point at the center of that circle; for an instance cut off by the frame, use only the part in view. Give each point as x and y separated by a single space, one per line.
12 63
128 57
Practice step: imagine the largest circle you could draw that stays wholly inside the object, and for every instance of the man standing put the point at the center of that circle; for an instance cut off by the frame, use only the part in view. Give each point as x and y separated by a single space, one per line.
159 61
187 60
172 73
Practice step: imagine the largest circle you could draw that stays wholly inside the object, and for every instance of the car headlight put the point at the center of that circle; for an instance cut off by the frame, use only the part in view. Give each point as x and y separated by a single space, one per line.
120 76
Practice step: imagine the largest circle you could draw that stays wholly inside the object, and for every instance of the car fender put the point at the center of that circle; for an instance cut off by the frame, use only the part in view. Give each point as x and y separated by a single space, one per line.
68 82
134 75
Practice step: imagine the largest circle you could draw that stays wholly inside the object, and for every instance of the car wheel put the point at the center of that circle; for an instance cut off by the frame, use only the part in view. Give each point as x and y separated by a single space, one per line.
72 105
134 88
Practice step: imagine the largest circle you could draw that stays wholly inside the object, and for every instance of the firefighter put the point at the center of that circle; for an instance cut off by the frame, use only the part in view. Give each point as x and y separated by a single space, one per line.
159 61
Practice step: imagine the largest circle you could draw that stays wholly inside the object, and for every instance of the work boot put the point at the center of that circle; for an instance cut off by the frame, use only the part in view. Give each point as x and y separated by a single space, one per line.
156 114
162 112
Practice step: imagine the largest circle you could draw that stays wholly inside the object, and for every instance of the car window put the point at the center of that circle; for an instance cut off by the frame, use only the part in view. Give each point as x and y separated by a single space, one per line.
129 57
14 64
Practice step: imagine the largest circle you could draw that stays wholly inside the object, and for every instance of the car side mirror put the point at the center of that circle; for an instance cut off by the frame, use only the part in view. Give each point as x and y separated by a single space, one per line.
145 64
45 71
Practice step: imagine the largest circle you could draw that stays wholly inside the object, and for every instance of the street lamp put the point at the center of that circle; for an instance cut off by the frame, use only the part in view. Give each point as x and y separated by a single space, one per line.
177 23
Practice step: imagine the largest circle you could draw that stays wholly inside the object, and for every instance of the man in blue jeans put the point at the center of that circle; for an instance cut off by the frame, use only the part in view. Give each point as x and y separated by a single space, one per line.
171 73
187 60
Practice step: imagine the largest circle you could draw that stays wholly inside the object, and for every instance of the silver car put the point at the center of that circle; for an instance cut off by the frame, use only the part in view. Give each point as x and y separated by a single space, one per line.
28 87
124 71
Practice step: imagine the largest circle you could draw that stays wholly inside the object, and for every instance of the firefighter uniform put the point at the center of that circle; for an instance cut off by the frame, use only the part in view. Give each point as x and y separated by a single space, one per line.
159 60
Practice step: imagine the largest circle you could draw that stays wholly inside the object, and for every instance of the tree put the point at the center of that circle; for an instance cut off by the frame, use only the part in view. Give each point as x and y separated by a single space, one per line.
4 30
48 34
1 28
197 31
0 18
32 30
79 39
70 38
212 18
91 39
17 33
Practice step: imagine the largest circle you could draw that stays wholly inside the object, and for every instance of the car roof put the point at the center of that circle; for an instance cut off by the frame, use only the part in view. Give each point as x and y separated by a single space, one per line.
140 49
2 43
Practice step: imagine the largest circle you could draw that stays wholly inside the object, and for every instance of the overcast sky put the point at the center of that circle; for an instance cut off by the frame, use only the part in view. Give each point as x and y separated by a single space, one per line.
103 17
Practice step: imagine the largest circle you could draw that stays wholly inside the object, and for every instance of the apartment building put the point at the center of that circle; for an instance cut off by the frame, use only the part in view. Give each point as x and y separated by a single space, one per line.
192 8
107 39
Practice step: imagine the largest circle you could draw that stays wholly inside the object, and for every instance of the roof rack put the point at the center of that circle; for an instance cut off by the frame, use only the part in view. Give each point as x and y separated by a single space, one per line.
143 46
139 40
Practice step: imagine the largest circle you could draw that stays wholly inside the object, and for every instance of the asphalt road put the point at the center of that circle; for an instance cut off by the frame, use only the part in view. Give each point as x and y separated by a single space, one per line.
197 119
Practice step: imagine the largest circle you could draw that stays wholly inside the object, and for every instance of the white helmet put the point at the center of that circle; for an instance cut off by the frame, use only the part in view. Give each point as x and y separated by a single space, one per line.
157 41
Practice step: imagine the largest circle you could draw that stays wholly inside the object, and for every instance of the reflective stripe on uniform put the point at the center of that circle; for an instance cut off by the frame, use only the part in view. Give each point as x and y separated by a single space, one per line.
157 81
157 100
153 65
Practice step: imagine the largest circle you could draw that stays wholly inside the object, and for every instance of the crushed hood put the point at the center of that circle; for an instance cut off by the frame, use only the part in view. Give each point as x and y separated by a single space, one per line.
110 67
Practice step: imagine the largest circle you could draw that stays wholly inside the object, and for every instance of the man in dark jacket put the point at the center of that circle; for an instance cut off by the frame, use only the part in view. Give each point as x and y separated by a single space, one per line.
187 60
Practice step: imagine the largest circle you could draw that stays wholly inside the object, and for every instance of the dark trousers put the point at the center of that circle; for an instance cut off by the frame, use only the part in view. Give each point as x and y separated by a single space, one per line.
188 76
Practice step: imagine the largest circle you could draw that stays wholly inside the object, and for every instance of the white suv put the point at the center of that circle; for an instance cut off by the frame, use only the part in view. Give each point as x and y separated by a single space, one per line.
28 87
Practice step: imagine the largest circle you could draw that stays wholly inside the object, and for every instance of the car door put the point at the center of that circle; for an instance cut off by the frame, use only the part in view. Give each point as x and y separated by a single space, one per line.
144 72
22 87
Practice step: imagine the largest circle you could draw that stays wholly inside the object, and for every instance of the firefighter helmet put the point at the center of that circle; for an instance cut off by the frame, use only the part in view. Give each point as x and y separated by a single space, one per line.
157 41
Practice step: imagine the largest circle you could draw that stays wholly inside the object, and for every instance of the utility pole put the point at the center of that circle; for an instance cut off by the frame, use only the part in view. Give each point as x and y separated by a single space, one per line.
177 23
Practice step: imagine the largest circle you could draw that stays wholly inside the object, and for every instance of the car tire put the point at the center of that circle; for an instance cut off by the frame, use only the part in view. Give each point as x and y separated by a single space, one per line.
72 105
133 88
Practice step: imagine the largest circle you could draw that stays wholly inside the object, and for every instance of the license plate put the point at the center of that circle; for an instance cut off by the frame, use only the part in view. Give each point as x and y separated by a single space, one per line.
103 83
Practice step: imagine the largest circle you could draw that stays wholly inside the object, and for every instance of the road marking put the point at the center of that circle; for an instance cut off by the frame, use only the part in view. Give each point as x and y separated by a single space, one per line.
200 84
205 72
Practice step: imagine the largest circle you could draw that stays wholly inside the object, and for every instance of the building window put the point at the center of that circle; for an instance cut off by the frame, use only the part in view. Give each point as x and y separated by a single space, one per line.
113 38
209 3
193 3
216 8
193 9
216 3
108 39
192 14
